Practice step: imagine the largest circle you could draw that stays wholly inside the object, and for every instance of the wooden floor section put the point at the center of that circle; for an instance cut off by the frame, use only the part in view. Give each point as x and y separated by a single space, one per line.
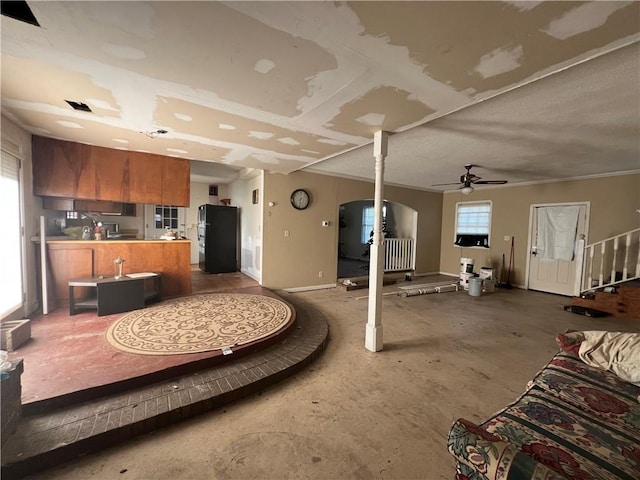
45 437
68 356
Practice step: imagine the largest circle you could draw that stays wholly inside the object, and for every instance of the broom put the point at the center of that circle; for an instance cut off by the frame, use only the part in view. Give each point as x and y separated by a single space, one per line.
507 285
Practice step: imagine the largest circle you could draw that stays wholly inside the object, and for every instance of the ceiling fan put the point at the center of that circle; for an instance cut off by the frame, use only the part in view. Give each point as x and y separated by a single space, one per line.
469 179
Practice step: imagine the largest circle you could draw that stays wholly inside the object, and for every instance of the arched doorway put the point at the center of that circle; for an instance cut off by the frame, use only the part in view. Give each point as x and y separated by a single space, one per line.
354 237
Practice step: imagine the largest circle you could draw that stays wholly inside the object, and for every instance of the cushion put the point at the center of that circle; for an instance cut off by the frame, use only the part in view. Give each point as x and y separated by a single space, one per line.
617 352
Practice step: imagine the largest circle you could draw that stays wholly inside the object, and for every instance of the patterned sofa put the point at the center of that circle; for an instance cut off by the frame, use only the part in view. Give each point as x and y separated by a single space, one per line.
574 421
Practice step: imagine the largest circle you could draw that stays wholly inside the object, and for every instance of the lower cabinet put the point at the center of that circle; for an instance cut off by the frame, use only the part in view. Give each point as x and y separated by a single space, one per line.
69 259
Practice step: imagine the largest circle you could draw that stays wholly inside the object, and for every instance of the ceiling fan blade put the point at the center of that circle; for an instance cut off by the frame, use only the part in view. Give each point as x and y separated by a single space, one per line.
491 182
468 179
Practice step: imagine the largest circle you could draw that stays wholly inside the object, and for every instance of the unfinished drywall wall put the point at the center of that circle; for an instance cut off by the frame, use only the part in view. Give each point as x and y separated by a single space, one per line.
614 201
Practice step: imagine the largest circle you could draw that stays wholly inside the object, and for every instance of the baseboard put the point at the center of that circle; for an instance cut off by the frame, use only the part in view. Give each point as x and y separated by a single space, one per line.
449 274
311 287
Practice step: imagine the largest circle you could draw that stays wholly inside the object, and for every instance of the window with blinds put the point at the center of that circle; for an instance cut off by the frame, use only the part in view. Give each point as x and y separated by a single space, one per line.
473 224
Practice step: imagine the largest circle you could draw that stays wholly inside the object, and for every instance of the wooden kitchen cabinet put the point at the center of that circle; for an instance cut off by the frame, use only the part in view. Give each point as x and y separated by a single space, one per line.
66 263
174 184
145 179
73 170
63 169
69 259
112 174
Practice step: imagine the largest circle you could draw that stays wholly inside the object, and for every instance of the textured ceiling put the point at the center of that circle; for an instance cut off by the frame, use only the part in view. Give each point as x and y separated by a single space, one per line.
528 91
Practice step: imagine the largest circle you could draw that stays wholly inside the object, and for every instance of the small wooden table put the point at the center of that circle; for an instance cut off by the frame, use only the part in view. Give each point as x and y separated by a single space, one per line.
115 295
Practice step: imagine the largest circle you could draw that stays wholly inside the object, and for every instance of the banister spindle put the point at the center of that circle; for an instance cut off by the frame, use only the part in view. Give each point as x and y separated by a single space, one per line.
625 268
613 262
590 281
637 255
603 250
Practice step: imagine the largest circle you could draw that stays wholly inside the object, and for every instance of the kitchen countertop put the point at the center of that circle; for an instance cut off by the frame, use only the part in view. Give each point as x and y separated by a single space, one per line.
137 240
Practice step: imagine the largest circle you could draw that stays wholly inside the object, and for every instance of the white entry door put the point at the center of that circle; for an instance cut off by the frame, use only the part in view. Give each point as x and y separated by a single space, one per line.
554 273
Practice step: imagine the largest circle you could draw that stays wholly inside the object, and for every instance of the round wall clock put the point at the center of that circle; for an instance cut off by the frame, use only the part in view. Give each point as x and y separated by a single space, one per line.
300 199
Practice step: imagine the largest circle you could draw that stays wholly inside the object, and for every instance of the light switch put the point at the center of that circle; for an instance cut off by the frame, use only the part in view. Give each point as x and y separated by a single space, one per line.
286 233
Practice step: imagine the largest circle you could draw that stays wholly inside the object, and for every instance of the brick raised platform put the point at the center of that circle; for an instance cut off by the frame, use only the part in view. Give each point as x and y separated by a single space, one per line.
46 439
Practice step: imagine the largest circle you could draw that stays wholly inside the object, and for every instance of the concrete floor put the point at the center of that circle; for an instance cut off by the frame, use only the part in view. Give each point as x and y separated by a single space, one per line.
357 414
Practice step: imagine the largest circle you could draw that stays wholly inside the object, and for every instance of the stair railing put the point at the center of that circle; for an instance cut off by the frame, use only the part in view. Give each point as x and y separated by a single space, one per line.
608 262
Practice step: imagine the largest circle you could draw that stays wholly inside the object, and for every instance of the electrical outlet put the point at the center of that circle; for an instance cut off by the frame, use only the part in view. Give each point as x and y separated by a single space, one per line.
286 233
507 238
320 274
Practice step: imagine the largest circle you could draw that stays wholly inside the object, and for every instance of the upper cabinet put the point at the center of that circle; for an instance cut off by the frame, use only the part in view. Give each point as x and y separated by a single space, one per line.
63 169
74 170
172 186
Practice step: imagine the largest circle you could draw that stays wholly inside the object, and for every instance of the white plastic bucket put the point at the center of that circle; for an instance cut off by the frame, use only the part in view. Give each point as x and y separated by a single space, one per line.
466 265
488 285
475 286
486 273
464 279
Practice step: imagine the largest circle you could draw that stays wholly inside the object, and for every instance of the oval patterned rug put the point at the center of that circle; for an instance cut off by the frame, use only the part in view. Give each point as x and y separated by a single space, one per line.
199 323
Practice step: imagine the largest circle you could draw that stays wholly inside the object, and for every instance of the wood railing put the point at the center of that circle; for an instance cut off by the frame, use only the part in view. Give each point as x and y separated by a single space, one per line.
399 254
608 262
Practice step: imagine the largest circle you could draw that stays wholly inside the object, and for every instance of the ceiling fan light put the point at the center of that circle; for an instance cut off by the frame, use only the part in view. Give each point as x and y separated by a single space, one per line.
466 190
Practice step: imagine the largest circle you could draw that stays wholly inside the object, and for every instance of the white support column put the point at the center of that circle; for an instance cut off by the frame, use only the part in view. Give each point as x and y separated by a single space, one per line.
43 265
373 333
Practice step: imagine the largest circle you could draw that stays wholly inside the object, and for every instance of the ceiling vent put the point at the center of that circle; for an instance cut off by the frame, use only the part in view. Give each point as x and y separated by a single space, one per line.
19 11
83 107
155 133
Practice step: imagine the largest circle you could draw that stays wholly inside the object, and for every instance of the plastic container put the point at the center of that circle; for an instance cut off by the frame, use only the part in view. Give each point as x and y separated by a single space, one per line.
466 265
464 280
488 285
475 286
486 273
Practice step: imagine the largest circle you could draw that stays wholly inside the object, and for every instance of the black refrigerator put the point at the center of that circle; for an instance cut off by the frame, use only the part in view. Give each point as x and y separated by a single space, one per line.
217 238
